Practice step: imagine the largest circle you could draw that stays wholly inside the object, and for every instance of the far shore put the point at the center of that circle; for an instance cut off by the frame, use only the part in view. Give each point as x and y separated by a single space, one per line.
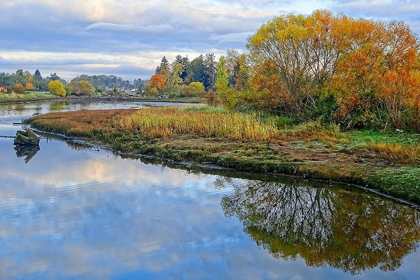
110 98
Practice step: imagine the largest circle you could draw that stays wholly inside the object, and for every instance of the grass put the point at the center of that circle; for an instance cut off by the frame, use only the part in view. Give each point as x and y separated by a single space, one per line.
252 142
171 121
6 97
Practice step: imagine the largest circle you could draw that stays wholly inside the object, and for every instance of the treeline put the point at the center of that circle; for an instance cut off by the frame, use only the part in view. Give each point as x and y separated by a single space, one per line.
20 81
183 77
27 81
357 73
104 83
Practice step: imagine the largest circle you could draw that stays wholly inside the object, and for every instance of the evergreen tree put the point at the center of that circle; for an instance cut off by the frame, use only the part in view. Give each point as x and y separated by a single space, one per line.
164 66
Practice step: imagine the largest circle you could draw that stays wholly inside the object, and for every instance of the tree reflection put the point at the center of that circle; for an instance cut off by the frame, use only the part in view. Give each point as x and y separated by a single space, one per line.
27 151
346 230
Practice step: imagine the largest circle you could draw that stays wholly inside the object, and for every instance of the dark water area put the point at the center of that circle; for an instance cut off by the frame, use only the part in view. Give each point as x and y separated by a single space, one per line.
70 212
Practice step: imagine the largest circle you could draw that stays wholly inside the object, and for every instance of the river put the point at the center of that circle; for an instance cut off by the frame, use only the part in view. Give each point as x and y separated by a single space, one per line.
74 212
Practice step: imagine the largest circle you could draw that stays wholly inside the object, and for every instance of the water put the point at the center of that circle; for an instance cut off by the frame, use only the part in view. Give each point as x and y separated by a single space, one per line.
70 213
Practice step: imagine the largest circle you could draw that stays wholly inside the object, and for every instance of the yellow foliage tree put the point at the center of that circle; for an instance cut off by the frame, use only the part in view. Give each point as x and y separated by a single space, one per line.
57 88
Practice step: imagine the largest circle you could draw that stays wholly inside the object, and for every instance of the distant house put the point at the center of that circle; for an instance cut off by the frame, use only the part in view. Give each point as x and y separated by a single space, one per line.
3 88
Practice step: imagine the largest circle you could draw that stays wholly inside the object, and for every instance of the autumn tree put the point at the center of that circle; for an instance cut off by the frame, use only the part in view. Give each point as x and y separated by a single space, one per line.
19 88
158 81
368 68
57 88
73 88
196 89
29 86
86 88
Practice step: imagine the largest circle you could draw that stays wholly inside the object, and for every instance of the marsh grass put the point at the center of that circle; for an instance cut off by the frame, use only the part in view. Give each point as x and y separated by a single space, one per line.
397 153
315 132
201 122
80 123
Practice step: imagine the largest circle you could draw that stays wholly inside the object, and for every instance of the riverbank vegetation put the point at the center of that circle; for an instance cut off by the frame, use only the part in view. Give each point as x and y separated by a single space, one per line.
28 96
252 142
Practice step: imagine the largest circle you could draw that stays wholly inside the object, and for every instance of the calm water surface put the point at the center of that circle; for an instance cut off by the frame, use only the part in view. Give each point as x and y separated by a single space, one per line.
72 213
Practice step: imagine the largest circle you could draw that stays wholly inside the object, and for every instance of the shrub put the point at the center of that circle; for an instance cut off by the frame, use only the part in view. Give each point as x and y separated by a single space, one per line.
19 88
57 88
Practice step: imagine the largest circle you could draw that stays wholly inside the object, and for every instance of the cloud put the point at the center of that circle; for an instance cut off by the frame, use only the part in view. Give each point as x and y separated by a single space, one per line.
134 31
131 27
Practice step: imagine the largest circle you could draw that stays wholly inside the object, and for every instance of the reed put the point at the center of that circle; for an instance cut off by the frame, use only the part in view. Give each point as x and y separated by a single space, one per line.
409 154
170 121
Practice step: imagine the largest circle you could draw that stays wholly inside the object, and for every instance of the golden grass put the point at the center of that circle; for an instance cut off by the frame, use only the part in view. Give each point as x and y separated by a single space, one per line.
80 123
397 153
313 131
169 121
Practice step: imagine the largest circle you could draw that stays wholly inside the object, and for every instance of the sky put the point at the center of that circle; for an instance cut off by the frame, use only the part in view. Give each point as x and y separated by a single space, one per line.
128 38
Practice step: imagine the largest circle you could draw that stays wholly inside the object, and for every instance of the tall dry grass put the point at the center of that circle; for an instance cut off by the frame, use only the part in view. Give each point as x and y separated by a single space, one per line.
397 153
169 121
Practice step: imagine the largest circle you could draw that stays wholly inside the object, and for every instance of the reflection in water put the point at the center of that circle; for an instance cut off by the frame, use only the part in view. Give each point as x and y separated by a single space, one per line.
77 213
26 151
350 231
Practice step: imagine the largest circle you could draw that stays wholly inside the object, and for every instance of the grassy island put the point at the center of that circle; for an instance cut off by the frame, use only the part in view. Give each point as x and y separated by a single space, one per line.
252 142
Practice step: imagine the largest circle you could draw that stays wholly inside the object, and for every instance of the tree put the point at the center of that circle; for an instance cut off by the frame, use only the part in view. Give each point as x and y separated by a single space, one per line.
196 89
225 95
86 88
74 88
210 70
174 79
18 77
37 75
37 79
185 63
158 81
367 68
19 88
57 88
196 70
164 67
29 86
222 77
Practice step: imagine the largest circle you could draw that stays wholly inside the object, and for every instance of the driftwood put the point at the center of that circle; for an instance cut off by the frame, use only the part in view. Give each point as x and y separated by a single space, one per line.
26 138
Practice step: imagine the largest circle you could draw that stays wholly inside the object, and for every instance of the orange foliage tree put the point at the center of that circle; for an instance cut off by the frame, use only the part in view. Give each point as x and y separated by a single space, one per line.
158 81
370 68
29 86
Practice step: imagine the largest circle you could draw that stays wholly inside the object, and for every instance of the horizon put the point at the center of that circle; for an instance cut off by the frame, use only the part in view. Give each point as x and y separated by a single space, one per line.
128 39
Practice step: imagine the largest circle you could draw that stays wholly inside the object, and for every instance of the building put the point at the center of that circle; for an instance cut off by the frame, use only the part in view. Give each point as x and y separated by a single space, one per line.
3 87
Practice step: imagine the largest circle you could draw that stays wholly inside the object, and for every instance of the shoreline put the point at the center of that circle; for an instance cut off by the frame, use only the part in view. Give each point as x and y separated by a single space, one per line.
347 166
209 168
104 98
